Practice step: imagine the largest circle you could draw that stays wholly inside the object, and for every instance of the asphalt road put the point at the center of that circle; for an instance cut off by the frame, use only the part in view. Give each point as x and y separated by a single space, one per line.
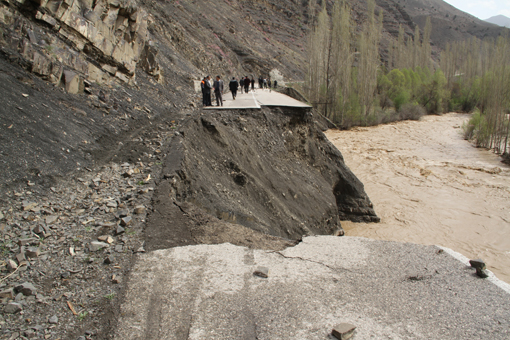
388 290
255 99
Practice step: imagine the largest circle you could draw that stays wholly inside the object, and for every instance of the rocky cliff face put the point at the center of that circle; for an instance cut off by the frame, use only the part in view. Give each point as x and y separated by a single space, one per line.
68 41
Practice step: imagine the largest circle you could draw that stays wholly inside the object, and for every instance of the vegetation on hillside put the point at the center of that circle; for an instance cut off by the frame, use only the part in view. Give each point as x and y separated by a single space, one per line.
348 83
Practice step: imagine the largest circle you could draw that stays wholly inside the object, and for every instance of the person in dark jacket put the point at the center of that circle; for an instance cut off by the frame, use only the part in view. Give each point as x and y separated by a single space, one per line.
207 91
260 82
275 84
247 84
241 83
233 85
252 84
218 91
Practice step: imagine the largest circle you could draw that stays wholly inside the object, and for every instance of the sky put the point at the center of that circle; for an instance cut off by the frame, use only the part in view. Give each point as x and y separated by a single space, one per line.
482 9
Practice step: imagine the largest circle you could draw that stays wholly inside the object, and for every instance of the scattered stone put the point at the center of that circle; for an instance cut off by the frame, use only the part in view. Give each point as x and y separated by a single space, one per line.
262 272
1 216
140 249
21 257
343 331
120 230
33 252
128 173
105 238
111 204
139 209
122 213
11 265
81 338
53 320
95 245
25 241
26 289
119 248
109 260
26 205
12 308
8 293
65 275
40 229
125 221
51 219
477 264
116 279
29 334
19 297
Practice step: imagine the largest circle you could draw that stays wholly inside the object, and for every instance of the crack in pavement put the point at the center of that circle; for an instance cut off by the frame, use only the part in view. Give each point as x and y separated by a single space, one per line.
317 262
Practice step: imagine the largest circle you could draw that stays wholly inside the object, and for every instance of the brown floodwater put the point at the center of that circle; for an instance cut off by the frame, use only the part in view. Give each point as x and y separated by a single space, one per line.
430 186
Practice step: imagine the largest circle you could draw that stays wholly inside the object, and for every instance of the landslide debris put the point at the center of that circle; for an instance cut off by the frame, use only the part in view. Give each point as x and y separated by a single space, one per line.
66 252
271 170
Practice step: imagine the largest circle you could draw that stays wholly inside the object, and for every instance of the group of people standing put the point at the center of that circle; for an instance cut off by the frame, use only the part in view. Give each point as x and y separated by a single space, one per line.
245 83
207 86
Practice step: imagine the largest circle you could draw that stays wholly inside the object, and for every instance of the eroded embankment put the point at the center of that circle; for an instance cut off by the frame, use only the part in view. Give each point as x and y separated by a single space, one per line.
271 171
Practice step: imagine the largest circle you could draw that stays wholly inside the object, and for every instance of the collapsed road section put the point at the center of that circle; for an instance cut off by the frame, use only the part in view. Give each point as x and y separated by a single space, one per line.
271 170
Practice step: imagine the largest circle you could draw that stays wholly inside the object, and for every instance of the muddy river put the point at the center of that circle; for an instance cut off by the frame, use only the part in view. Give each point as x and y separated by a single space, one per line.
430 186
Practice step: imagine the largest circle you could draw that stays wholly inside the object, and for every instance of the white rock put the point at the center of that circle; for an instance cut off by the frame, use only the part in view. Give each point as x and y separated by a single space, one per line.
96 245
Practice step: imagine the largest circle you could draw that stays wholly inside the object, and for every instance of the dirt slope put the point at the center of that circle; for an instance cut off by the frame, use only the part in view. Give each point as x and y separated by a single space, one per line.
272 171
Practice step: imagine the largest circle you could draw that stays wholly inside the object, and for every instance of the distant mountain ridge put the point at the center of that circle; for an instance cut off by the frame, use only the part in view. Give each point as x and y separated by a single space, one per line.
449 24
499 20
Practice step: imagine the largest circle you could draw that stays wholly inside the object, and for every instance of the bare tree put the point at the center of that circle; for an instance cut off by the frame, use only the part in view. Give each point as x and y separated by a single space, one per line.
369 60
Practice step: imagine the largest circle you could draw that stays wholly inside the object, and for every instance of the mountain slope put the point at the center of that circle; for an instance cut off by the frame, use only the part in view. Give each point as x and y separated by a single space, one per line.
448 23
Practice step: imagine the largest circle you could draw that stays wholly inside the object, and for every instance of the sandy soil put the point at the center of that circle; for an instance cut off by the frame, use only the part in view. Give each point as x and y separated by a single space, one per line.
430 186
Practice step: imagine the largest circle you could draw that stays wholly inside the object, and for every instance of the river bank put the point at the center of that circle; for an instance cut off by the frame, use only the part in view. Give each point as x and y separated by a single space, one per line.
430 186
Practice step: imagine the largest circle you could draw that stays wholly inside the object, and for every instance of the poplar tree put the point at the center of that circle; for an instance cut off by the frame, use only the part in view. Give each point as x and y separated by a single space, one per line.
425 46
369 60
341 62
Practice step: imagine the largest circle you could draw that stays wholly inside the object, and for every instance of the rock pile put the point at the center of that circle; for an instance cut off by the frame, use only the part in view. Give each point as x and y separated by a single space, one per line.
65 252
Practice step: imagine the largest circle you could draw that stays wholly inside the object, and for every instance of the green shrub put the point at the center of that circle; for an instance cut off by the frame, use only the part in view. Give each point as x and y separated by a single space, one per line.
477 129
411 111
